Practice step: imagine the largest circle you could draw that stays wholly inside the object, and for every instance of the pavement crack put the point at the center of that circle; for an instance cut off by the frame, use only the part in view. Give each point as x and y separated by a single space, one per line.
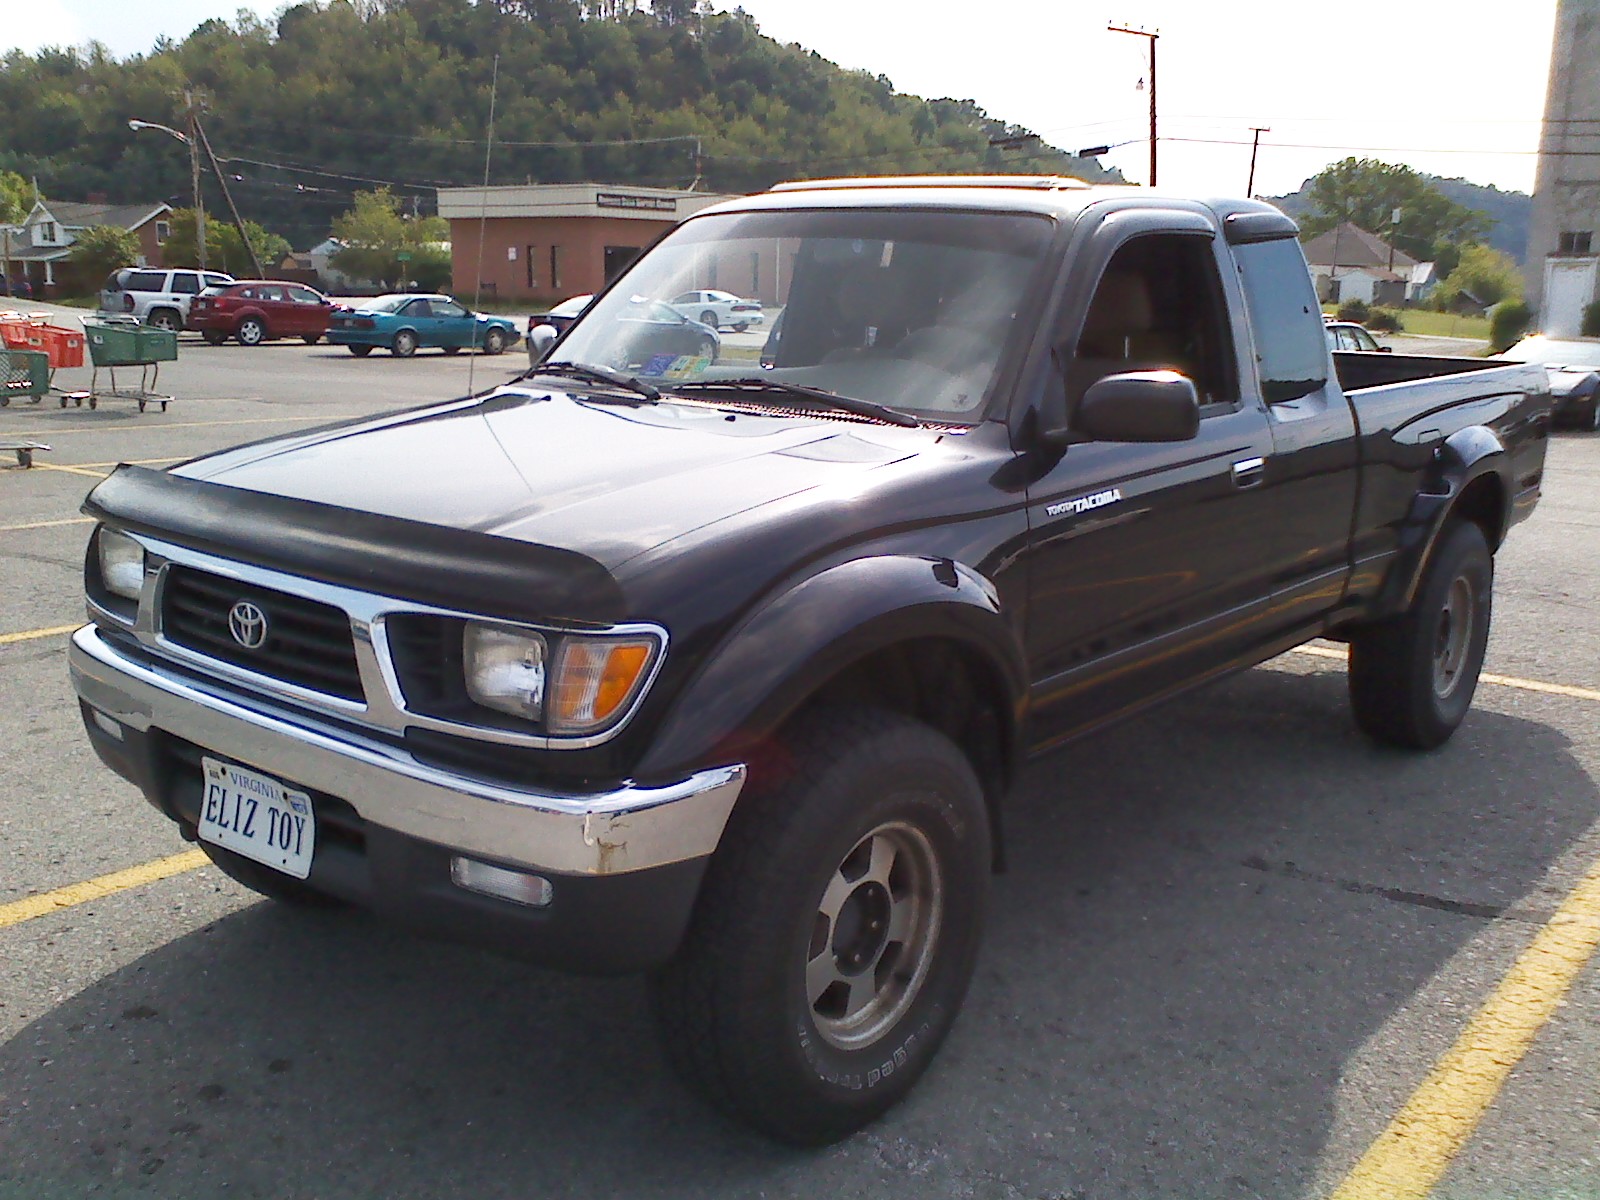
1464 908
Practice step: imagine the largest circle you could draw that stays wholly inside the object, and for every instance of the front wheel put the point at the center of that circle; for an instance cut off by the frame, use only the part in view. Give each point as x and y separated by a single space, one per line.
494 341
405 344
1412 677
836 931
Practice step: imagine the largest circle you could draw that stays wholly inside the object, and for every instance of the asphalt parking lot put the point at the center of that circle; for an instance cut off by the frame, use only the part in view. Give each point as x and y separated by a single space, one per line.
1239 950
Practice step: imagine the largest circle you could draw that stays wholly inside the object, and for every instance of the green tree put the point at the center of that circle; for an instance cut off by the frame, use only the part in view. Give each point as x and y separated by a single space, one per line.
1487 273
375 235
17 197
1367 192
98 251
225 250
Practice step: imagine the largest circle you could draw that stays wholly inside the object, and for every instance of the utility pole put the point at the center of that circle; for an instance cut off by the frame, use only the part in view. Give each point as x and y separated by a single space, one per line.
192 109
1255 142
1152 36
227 194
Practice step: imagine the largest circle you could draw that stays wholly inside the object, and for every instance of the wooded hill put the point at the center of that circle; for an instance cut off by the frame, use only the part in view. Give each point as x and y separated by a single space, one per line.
335 97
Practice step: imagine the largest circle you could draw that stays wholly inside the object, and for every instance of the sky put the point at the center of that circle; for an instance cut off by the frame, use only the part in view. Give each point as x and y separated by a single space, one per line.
1453 90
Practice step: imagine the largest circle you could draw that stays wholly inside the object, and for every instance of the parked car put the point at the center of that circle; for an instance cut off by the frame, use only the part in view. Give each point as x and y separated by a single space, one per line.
257 310
559 318
156 295
1573 365
405 323
1347 335
716 309
726 673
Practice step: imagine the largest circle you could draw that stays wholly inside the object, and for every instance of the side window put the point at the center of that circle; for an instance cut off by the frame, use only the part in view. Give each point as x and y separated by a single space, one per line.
1291 354
1160 305
185 283
270 292
418 309
302 295
448 308
1364 340
146 281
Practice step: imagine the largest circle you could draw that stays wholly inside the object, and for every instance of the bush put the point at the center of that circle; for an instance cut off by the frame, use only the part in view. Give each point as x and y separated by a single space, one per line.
1509 322
1354 310
1591 320
1384 320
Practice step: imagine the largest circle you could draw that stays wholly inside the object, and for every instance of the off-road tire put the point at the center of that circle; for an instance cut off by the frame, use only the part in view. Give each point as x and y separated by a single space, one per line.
359 351
788 906
405 344
1412 677
252 331
274 885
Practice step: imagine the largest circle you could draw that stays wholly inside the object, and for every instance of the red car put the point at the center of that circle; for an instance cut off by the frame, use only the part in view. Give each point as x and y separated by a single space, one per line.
254 310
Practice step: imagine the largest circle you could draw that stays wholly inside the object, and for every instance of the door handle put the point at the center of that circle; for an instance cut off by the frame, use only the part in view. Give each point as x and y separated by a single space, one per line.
1248 472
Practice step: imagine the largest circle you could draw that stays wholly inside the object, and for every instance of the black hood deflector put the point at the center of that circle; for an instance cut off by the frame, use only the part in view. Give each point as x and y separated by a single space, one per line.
391 556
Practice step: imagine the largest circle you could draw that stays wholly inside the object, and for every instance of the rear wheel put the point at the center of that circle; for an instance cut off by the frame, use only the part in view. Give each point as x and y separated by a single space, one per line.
405 344
275 885
251 332
213 337
708 318
360 351
494 341
1412 677
165 318
836 931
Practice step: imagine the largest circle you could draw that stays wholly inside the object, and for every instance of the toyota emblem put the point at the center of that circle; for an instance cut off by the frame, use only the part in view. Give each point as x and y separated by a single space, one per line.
248 624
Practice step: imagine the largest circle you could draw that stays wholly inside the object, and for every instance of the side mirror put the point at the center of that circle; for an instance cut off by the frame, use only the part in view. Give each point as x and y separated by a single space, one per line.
540 339
1139 406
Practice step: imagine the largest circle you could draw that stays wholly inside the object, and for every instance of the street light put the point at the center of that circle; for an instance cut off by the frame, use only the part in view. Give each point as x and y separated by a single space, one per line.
1152 36
194 175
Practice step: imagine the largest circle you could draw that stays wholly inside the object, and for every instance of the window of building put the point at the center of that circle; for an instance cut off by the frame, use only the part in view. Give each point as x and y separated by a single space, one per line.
531 260
1575 242
163 232
618 259
47 233
555 268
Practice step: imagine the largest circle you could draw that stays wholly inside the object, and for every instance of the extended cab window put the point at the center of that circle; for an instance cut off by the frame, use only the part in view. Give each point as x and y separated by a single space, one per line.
1291 348
1159 306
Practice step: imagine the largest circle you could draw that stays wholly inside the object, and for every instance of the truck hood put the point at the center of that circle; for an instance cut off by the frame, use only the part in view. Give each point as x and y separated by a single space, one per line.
609 481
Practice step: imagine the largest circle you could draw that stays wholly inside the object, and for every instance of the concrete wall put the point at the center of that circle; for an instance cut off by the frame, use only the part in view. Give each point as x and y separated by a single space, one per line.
1566 194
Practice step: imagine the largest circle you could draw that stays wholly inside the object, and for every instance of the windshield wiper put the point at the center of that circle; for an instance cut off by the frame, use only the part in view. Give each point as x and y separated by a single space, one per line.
598 374
849 404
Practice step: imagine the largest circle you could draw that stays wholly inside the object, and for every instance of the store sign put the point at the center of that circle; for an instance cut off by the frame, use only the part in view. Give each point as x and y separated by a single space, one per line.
623 200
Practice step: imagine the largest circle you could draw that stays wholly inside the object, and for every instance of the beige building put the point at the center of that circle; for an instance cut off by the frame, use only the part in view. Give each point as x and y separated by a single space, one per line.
546 241
1564 242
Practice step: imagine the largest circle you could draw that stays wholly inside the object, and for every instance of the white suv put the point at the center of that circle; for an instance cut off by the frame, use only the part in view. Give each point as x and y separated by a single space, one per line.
155 295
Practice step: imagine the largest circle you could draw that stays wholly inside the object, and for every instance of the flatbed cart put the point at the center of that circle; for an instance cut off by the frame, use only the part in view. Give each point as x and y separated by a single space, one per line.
23 449
23 374
118 341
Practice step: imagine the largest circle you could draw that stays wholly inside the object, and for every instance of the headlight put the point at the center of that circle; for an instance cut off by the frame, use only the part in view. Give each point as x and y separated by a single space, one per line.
573 684
121 564
505 668
596 679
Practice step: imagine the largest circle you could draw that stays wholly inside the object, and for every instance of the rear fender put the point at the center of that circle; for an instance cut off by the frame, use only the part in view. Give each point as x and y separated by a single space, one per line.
801 638
1461 466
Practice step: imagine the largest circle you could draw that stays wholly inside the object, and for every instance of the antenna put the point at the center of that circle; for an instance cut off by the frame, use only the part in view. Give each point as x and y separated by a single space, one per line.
483 215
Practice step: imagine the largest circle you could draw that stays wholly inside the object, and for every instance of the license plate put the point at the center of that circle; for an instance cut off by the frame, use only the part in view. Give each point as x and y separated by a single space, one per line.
257 817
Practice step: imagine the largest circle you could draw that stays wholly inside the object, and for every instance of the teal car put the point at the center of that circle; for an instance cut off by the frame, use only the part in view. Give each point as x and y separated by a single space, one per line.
404 324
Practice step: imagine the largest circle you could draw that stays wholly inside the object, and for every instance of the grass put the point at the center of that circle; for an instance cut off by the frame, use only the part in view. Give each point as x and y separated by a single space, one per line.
1425 323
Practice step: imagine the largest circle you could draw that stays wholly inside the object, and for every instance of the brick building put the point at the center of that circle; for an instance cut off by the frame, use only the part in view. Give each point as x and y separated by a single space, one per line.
1564 241
546 241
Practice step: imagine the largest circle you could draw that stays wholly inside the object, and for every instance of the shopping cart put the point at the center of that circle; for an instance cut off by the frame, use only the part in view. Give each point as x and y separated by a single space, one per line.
32 331
23 373
117 341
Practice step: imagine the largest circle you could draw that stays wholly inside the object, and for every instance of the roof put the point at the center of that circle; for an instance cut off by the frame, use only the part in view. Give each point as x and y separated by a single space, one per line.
1356 248
124 216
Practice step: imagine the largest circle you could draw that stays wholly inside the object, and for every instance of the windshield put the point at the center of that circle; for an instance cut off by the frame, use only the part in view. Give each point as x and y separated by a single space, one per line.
1555 353
909 309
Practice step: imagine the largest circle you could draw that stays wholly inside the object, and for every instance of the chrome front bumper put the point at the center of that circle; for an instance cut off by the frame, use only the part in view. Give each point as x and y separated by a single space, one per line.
629 828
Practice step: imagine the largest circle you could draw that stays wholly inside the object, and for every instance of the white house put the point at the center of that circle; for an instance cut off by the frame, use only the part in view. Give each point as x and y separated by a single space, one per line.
1348 263
46 234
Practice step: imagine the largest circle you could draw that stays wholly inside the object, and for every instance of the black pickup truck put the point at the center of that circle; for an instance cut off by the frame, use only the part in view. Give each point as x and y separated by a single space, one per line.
721 665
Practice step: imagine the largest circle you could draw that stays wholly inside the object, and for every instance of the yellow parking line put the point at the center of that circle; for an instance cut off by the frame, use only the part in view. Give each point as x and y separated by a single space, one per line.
132 462
46 524
28 635
52 430
1412 1155
1510 681
19 911
39 466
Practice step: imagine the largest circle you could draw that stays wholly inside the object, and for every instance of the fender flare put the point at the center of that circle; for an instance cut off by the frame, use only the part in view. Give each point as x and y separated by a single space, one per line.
1462 460
800 638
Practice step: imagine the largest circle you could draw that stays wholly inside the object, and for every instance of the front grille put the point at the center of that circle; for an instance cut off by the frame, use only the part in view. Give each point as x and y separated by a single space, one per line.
308 643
